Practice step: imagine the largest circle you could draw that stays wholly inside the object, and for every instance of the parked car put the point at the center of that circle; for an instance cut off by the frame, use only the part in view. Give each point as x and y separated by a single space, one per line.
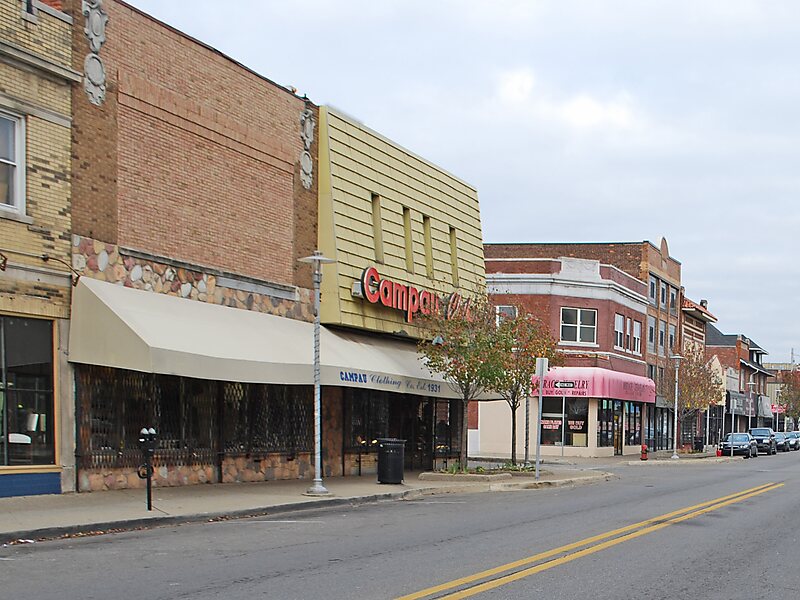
743 444
794 440
765 438
781 442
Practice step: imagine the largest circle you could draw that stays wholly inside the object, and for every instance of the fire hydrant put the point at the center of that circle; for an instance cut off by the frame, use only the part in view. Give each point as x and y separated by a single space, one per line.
644 452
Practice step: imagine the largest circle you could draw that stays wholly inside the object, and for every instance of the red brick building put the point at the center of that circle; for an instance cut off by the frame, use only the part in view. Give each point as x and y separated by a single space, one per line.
197 189
661 273
190 183
597 313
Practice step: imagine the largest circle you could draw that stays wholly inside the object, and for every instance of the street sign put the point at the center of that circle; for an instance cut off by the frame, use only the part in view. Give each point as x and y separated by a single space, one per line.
778 409
564 384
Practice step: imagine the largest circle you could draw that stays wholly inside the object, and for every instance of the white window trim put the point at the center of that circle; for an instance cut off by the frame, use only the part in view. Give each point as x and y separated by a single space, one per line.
637 340
19 191
578 325
497 312
619 333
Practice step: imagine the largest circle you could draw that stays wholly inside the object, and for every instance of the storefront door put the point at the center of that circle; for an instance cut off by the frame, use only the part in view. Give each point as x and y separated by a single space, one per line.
618 432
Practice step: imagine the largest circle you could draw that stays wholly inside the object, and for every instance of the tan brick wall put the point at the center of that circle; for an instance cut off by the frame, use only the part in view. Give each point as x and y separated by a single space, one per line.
192 156
48 37
44 228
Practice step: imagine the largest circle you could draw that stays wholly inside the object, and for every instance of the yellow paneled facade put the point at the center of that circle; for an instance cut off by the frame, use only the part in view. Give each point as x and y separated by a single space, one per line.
382 206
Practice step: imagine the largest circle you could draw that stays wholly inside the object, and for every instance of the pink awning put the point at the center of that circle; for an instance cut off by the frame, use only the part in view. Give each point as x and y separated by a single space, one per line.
594 382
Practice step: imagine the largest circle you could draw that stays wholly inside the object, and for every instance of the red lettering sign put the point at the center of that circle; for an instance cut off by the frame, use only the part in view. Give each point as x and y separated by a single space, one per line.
407 298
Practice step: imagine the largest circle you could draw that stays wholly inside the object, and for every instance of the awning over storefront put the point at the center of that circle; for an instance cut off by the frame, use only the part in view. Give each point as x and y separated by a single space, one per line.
765 407
120 327
741 404
595 382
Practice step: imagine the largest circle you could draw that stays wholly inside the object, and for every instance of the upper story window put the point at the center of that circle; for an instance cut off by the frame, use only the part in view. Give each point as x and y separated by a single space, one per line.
672 338
409 241
651 334
662 334
377 228
12 163
628 334
579 325
663 303
637 337
505 312
651 372
673 301
653 291
619 331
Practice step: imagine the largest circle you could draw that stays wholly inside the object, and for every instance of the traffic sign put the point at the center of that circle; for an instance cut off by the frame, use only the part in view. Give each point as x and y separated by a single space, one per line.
564 384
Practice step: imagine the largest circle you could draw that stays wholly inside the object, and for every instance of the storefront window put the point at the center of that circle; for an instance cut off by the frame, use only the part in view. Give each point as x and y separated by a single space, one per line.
366 418
195 419
26 392
633 429
576 412
605 423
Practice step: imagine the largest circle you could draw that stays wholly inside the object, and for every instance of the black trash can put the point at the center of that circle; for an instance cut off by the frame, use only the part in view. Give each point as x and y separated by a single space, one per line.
698 444
391 453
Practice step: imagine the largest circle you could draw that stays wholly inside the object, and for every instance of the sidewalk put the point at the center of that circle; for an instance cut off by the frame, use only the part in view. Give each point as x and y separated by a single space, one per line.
43 517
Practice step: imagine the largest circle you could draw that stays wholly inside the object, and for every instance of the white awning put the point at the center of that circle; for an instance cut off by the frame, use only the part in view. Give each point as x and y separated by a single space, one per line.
132 329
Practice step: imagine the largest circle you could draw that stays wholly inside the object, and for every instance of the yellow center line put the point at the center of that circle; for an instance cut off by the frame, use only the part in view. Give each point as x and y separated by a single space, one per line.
597 548
568 547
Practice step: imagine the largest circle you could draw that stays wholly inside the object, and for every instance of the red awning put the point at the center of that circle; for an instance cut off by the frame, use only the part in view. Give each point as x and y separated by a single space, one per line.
594 382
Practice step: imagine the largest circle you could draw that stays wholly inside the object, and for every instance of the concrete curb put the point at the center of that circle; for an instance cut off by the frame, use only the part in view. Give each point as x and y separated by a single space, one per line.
680 462
433 476
532 485
85 530
309 506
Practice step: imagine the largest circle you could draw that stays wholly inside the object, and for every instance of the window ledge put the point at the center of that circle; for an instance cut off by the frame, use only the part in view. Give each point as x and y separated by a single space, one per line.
15 216
578 344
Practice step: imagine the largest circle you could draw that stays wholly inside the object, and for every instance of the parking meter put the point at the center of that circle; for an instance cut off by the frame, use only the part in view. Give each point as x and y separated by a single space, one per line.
147 443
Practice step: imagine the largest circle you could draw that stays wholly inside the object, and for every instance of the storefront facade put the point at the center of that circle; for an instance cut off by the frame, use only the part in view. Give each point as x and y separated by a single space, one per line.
179 325
406 239
187 255
586 411
36 76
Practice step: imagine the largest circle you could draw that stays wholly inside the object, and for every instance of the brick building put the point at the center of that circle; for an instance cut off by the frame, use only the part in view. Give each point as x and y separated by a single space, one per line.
747 402
707 424
662 274
36 76
194 189
197 187
597 313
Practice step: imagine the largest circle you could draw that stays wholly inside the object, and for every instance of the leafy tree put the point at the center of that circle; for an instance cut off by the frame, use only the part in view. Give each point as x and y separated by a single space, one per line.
519 341
699 385
461 349
790 393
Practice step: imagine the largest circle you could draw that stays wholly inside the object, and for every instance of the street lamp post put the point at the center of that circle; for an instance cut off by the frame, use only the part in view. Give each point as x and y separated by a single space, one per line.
751 384
541 371
317 489
677 358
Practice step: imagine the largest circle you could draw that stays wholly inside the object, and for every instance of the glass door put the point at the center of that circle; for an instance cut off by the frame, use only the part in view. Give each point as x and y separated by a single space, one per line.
618 428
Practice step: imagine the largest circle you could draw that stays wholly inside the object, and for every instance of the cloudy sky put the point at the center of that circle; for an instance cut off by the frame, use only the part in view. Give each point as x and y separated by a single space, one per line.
593 120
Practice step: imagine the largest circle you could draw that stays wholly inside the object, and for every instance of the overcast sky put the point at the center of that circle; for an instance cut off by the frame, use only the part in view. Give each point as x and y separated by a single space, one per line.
576 120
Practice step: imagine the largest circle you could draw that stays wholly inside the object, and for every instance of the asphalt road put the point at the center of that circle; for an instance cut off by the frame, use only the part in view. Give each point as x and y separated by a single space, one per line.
678 532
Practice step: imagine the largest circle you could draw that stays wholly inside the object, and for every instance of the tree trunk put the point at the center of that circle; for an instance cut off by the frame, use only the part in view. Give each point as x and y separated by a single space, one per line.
462 455
514 434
